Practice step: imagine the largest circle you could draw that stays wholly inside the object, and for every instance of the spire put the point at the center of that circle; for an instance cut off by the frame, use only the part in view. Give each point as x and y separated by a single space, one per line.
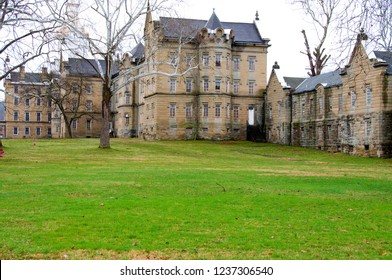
214 22
257 16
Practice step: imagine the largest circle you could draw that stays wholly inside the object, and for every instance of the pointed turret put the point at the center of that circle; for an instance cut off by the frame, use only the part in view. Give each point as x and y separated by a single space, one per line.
214 22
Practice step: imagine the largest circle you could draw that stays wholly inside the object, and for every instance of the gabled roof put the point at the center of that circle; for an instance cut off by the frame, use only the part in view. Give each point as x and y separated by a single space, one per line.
387 57
138 52
29 77
328 80
87 67
293 82
173 28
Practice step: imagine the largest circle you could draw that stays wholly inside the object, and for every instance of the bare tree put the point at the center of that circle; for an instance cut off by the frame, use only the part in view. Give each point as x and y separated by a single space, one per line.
374 17
339 22
68 99
322 13
26 33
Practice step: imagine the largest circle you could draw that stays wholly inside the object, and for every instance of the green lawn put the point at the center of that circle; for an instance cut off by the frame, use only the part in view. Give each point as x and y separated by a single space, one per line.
191 200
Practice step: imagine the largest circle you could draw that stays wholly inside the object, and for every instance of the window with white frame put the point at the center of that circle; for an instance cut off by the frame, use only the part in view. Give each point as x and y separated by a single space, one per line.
39 116
205 110
236 110
16 116
27 131
74 124
188 110
38 101
38 131
206 59
188 85
251 87
218 84
217 110
27 102
89 105
172 110
173 85
236 86
16 131
368 96
16 100
353 98
252 63
218 59
236 63
27 116
205 84
340 103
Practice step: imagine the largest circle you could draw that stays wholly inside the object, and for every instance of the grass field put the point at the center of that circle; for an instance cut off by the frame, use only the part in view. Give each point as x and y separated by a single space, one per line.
67 199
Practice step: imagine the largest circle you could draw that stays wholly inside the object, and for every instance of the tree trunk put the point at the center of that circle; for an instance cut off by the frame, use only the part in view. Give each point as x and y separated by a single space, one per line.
105 130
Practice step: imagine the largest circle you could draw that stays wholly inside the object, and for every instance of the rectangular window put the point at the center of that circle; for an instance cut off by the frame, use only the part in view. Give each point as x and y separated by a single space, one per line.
353 98
172 58
217 110
27 102
38 101
236 63
49 131
89 105
368 96
236 86
368 128
294 108
218 85
172 110
27 131
188 110
205 85
206 60
189 60
74 105
127 98
311 106
330 103
88 124
188 85
16 101
340 103
218 60
173 85
236 109
205 110
74 124
38 116
303 106
16 116
16 131
27 116
252 62
251 87
49 116
38 131
16 89
88 89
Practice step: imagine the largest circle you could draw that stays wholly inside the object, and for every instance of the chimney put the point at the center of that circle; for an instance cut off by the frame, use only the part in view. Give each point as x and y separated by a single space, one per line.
22 73
44 74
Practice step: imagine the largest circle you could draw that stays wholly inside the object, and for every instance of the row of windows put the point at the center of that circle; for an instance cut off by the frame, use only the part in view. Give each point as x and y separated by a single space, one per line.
28 116
206 61
328 133
218 86
38 131
28 103
329 104
217 113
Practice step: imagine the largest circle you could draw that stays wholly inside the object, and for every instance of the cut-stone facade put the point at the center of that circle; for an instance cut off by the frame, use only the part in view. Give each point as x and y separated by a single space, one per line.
348 110
209 86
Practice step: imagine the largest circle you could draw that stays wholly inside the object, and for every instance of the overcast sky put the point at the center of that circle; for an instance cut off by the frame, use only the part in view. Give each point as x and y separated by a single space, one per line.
279 21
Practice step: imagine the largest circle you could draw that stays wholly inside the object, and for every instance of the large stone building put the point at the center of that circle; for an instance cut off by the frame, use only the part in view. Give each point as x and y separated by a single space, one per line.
201 79
348 110
27 113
